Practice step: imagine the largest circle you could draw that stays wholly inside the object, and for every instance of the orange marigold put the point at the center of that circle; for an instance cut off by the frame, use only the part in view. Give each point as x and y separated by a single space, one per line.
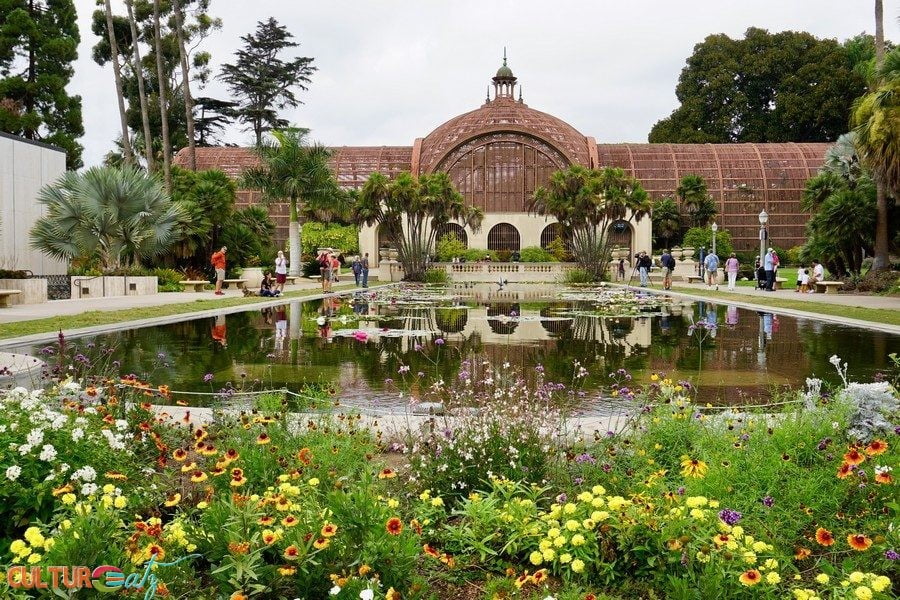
859 541
824 537
394 526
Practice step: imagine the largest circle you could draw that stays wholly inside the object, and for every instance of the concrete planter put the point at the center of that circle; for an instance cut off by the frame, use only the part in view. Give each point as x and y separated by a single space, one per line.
254 276
106 286
34 291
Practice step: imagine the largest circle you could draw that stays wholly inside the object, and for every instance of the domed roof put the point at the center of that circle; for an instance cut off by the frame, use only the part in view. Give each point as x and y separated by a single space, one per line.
504 72
502 114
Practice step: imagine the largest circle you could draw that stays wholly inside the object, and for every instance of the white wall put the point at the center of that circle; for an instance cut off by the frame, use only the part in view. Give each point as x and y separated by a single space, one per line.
25 167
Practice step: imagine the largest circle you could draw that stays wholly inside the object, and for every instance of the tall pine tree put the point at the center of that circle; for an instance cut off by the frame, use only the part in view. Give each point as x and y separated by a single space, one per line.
38 44
263 82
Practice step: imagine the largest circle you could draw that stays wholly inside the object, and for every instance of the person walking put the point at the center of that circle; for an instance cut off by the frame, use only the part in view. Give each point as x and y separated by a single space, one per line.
218 263
621 273
365 270
769 267
281 268
356 267
668 265
732 265
711 264
644 262
324 265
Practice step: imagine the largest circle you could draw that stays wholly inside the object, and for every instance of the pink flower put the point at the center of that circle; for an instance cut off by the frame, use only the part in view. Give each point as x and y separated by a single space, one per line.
361 336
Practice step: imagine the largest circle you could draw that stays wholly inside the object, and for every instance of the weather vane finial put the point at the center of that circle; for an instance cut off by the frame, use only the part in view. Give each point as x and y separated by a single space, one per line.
504 56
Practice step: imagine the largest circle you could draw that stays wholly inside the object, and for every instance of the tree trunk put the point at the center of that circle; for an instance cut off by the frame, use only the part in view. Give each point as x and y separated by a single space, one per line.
881 260
117 75
163 110
294 240
188 100
142 94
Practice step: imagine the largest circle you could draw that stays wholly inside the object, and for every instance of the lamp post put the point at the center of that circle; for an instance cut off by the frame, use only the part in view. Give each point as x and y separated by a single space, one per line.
715 228
763 219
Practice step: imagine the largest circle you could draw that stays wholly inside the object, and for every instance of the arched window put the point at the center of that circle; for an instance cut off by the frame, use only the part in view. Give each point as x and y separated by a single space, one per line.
453 229
504 236
550 233
499 325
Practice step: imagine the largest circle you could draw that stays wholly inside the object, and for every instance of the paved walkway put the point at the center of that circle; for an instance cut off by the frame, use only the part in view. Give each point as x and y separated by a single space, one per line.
56 308
860 300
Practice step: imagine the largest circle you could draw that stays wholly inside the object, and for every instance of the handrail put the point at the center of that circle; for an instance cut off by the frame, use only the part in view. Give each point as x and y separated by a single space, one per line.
79 278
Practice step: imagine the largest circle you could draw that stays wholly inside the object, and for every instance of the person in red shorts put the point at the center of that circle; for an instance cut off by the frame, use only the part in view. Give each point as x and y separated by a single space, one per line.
281 268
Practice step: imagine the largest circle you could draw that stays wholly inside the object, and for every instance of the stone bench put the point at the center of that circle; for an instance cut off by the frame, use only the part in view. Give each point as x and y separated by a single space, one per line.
828 287
779 282
239 283
197 284
290 279
6 296
693 278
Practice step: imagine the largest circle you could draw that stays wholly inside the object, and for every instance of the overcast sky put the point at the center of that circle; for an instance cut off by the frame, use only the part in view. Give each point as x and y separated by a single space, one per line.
391 70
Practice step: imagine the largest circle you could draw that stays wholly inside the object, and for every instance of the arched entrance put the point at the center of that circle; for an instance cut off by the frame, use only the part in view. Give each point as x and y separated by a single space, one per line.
621 235
454 230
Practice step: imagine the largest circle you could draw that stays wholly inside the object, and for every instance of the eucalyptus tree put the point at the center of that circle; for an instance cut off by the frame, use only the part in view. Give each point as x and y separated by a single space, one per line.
186 83
409 211
292 169
587 202
138 70
161 91
117 216
117 77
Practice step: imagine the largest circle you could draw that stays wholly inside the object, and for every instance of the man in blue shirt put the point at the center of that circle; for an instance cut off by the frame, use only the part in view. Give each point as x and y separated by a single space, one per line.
711 263
769 266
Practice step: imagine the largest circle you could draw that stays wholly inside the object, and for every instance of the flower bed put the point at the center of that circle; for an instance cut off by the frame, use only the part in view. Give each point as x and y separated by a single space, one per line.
497 501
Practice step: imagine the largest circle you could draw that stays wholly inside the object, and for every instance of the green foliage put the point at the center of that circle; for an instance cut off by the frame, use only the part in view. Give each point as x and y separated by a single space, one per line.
766 87
450 247
262 81
321 235
586 202
695 198
207 201
409 211
437 276
533 254
558 249
701 237
791 256
35 104
576 276
666 219
118 217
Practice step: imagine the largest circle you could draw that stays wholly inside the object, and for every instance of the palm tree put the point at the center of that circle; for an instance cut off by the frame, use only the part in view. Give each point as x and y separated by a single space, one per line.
163 109
666 219
186 84
293 170
876 121
587 202
695 198
410 211
142 94
118 216
117 75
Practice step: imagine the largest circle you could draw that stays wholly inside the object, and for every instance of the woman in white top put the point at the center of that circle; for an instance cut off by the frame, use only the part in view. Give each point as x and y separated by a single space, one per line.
281 265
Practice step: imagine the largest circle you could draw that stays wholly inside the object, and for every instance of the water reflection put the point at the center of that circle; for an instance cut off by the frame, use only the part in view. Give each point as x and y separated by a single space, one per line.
746 355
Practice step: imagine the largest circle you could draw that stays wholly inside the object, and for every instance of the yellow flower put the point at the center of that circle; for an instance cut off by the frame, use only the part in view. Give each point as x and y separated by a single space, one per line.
862 592
577 565
437 502
881 583
392 503
202 504
426 495
572 525
36 558
68 498
773 578
577 540
314 482
856 577
598 490
120 502
693 467
553 533
18 546
560 541
599 516
548 554
654 377
569 508
536 558
822 578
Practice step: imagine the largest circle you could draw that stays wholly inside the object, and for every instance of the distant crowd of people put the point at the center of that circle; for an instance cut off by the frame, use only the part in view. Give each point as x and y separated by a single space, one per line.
765 270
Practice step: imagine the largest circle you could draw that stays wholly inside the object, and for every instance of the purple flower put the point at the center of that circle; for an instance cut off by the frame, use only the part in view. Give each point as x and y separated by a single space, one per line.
729 516
207 378
513 313
439 342
578 480
417 347
768 501
539 368
891 554
388 381
585 458
561 499
680 491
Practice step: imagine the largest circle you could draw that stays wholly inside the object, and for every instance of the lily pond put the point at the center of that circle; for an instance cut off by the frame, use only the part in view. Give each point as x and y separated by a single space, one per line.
375 350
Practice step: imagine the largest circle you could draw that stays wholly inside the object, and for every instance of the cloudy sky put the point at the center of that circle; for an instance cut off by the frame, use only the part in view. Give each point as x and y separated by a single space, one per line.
392 70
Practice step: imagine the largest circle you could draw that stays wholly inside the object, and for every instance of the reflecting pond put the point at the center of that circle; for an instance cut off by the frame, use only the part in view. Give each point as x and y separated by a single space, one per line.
360 344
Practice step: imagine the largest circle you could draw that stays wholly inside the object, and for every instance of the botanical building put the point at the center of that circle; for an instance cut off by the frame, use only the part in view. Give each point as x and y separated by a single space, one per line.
500 152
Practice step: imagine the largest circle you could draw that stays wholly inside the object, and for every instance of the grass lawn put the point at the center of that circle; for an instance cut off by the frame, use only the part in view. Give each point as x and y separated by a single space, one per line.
877 315
105 317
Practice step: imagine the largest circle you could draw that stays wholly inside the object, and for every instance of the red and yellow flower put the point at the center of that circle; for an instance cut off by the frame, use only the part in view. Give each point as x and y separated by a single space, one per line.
750 577
854 456
394 526
876 447
859 541
824 537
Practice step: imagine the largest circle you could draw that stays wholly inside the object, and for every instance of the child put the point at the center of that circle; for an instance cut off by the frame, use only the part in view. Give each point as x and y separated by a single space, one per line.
804 281
800 272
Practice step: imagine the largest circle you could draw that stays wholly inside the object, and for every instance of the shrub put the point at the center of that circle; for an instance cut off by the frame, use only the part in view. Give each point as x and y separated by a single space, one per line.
536 254
576 276
701 237
792 256
477 254
320 235
437 276
13 274
558 249
504 255
450 247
